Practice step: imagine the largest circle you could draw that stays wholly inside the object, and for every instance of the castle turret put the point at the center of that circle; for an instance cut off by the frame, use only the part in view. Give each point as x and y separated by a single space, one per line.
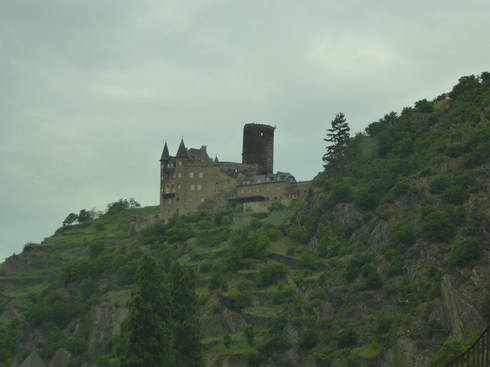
258 147
165 155
182 151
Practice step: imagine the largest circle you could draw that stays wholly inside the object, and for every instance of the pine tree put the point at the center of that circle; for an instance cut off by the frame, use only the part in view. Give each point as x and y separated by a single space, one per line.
339 135
147 333
188 347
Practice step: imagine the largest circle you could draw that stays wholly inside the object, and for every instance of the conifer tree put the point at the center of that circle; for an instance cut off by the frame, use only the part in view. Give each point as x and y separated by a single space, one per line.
188 347
147 333
339 135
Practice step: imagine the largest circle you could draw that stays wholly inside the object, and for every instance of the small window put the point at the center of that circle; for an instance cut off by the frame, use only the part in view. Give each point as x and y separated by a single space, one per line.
193 187
191 174
180 175
179 186
202 200
199 187
201 175
180 163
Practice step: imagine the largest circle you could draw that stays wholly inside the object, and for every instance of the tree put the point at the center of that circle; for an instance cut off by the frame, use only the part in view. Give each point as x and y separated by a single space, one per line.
70 219
147 333
339 135
188 347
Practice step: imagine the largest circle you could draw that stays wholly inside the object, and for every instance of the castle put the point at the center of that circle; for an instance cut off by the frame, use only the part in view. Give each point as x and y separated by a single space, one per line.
192 182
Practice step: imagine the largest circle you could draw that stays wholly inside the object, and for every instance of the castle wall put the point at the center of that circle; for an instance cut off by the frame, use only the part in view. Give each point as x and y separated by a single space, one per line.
270 191
191 187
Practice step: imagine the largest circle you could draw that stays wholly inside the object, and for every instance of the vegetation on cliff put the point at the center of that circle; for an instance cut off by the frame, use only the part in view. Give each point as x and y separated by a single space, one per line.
386 259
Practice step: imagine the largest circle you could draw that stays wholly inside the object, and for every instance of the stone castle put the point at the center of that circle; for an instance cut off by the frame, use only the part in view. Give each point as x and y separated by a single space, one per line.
192 182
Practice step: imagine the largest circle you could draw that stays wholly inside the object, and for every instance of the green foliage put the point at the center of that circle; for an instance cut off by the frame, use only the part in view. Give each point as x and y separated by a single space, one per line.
147 337
339 135
436 225
187 336
485 308
249 333
355 264
402 235
308 339
120 205
449 351
466 252
347 338
227 341
8 344
270 274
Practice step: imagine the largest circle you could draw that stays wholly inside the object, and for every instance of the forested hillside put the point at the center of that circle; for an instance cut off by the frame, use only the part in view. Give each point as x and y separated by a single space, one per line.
386 259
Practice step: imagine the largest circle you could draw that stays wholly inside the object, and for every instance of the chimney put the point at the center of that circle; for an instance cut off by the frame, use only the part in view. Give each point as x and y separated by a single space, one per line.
204 154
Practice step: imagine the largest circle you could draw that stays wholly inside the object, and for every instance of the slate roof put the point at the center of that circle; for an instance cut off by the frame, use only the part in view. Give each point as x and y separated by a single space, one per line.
268 178
165 154
33 361
182 151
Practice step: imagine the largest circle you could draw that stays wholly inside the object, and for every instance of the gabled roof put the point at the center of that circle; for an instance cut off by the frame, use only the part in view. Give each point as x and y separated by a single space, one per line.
165 154
182 152
33 361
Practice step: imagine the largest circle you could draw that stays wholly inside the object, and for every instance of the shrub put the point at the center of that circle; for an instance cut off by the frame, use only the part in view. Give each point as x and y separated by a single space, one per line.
308 340
466 252
437 226
347 338
486 307
270 274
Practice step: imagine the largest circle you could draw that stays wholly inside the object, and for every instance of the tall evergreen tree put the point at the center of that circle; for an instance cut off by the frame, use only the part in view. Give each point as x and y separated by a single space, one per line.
339 135
188 347
147 333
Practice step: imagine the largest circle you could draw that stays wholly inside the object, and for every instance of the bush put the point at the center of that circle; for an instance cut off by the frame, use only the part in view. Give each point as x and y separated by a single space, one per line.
437 226
466 252
270 275
486 307
308 340
449 351
347 338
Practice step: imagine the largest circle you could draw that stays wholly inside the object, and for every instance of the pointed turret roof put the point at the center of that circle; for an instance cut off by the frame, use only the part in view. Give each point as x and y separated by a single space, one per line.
33 361
182 152
165 154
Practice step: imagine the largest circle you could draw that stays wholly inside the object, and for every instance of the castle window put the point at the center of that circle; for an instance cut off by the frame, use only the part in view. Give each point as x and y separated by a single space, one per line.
180 175
199 187
193 187
173 176
180 163
202 200
201 175
191 174
162 178
179 186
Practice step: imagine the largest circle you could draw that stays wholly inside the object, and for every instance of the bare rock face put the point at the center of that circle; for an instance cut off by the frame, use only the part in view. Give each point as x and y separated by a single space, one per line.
106 324
62 358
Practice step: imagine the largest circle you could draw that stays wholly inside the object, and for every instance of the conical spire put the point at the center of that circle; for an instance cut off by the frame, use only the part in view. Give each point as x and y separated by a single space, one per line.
182 152
165 154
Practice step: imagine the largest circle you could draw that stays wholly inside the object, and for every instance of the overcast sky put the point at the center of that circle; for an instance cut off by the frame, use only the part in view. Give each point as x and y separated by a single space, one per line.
90 90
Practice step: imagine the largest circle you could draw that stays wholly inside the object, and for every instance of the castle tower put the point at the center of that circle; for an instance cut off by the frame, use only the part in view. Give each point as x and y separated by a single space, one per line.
258 147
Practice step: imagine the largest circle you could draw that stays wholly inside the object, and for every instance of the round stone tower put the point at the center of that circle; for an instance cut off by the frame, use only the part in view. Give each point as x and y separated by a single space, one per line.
258 147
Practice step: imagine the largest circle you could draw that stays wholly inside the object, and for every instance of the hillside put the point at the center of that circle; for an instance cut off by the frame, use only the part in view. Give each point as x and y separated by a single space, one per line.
387 258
